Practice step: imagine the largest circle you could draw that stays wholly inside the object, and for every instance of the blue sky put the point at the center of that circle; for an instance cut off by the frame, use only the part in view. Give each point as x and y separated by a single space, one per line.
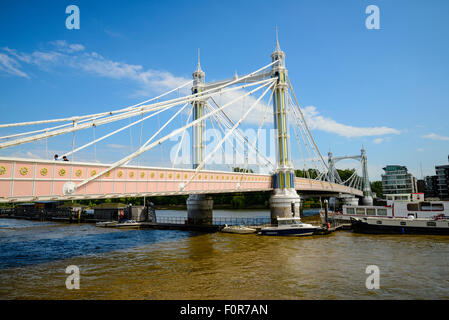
387 89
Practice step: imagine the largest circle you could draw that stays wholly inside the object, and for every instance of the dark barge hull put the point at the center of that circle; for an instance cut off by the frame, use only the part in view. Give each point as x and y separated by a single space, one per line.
363 227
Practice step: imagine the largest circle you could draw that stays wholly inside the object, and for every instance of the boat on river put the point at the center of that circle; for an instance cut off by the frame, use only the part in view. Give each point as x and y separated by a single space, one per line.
128 224
121 224
417 208
383 225
289 227
106 224
238 229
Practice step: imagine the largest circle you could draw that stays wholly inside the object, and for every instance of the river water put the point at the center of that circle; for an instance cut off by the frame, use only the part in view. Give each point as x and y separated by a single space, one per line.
172 264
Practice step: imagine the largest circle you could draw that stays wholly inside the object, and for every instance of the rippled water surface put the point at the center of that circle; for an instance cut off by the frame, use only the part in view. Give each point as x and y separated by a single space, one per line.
171 264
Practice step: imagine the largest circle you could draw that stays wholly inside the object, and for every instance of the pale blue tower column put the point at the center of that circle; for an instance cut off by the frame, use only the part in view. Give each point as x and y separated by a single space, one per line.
199 206
285 201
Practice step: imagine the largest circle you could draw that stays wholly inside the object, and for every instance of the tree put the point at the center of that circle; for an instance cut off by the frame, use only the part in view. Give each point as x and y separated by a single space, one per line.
376 187
309 173
345 174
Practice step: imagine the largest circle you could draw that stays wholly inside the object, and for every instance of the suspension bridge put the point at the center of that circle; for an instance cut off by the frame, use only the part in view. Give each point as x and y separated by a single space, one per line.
26 179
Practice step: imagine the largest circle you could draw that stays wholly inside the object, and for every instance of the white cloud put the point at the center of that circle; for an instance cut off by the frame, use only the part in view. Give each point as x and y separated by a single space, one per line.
420 150
318 122
64 46
378 140
11 66
434 136
63 54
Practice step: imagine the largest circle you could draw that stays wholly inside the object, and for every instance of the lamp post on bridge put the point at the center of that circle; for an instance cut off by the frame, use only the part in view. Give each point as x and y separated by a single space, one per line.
199 206
285 201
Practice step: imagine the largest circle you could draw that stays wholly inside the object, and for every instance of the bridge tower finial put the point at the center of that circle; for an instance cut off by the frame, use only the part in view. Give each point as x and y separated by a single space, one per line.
277 40
198 68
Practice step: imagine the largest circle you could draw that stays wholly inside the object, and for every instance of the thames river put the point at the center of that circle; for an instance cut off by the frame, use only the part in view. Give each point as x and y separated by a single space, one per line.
172 264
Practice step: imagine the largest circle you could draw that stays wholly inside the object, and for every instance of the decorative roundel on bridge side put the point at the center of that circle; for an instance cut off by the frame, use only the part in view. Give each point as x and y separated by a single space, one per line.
93 172
78 173
2 170
68 188
107 174
62 172
44 171
23 171
170 175
131 174
227 177
152 174
120 174
199 177
142 174
161 175
185 176
178 176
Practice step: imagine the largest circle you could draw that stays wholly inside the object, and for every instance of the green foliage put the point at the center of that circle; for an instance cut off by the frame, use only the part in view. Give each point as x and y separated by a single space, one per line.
311 204
238 202
376 187
309 173
345 174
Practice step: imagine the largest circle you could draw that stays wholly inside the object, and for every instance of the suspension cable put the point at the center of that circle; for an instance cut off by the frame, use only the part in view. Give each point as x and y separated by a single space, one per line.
148 147
201 165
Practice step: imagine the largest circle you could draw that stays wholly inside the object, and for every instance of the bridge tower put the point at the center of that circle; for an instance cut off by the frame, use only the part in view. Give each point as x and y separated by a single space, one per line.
284 202
331 165
199 206
366 186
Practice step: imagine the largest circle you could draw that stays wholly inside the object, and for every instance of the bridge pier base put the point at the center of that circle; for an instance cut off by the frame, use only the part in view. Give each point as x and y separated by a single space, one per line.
284 203
199 209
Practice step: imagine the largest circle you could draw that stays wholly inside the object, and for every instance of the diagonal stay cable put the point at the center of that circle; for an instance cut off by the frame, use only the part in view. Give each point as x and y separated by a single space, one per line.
138 111
201 165
148 147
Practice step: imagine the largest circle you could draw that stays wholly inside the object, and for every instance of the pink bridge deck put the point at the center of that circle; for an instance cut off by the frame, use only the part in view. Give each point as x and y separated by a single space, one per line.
33 180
